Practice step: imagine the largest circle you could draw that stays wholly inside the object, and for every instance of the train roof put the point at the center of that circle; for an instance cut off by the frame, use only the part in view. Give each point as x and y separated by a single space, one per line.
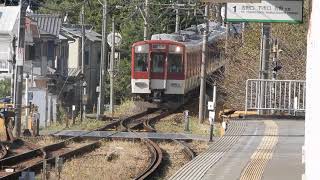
193 36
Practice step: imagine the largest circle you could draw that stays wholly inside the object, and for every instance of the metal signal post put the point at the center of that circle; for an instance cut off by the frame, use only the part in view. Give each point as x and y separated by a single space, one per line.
83 36
100 106
203 67
111 71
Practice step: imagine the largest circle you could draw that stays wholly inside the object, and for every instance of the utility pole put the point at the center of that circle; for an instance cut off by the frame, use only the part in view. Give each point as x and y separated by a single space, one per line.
19 70
13 64
111 71
203 67
264 59
100 106
146 20
26 102
83 36
177 30
275 51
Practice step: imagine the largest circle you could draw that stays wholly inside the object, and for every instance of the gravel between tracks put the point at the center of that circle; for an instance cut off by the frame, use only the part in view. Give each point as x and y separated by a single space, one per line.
114 160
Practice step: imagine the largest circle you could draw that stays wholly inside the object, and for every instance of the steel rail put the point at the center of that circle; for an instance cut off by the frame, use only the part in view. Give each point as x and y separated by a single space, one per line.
155 161
3 151
186 149
36 157
35 162
137 120
154 149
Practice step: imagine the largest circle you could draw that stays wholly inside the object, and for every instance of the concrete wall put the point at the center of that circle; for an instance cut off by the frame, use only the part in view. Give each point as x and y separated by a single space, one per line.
74 50
47 105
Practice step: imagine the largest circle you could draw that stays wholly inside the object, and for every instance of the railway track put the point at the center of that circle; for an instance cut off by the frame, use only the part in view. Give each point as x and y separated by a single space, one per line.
186 149
3 151
130 124
144 123
13 166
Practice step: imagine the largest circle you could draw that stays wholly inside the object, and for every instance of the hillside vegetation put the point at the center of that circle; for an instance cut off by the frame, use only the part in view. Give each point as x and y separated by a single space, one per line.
244 59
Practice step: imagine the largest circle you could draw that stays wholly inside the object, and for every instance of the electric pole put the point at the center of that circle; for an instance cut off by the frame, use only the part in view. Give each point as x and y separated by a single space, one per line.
146 19
83 36
100 107
203 67
19 70
264 59
177 30
275 51
111 71
13 64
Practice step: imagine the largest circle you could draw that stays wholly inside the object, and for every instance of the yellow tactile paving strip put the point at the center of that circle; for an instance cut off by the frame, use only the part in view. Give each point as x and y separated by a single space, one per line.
259 159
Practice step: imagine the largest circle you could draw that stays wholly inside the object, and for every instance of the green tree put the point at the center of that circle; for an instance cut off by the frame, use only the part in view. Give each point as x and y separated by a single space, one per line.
122 85
4 88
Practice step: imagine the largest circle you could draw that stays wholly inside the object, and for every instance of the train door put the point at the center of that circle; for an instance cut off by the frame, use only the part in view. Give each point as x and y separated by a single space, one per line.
158 70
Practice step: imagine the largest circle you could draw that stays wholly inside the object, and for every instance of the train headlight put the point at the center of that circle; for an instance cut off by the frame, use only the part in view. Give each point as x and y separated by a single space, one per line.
139 48
178 49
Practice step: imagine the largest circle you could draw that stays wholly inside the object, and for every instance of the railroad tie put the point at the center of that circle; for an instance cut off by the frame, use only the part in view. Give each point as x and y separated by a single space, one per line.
259 159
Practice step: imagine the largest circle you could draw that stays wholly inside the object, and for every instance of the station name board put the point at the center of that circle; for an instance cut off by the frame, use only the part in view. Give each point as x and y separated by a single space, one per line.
266 11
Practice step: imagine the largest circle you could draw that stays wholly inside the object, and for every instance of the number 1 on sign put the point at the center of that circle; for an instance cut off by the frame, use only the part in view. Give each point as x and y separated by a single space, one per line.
235 8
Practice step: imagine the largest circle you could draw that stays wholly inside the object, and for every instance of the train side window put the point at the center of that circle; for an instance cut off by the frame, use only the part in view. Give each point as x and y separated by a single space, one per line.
174 63
140 62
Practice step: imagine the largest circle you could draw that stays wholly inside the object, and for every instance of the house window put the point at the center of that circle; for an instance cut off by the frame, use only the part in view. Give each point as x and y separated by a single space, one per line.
50 50
32 54
86 57
99 58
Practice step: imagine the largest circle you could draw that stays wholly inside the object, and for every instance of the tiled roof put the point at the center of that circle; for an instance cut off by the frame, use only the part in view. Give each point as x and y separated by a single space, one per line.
48 24
76 31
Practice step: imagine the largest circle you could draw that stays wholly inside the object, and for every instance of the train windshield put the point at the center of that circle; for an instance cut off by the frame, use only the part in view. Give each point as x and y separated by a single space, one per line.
158 60
140 62
175 63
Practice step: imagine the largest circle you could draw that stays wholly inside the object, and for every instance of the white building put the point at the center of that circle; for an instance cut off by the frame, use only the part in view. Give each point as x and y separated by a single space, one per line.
8 30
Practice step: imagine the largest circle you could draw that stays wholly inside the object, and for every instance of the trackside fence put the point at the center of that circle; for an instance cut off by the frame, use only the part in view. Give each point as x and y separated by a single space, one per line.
275 96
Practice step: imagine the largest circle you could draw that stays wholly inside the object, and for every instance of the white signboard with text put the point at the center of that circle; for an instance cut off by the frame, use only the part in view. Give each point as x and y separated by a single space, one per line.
266 11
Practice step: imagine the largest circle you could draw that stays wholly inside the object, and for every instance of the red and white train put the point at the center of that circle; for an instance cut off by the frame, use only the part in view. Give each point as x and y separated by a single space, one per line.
169 64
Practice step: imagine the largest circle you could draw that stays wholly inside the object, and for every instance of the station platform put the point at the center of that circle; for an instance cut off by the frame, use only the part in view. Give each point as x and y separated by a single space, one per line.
254 149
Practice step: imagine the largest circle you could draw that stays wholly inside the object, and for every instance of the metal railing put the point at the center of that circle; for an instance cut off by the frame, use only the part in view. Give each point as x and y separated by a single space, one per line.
4 65
274 96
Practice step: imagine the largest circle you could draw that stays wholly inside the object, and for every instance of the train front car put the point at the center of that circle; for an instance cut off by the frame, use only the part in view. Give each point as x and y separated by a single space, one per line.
157 69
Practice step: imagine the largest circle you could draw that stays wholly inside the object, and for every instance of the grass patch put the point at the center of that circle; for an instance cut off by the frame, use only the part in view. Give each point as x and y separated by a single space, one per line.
127 161
175 124
124 109
86 124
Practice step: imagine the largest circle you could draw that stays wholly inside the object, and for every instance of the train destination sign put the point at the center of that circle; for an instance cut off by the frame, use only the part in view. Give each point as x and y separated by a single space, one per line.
266 11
